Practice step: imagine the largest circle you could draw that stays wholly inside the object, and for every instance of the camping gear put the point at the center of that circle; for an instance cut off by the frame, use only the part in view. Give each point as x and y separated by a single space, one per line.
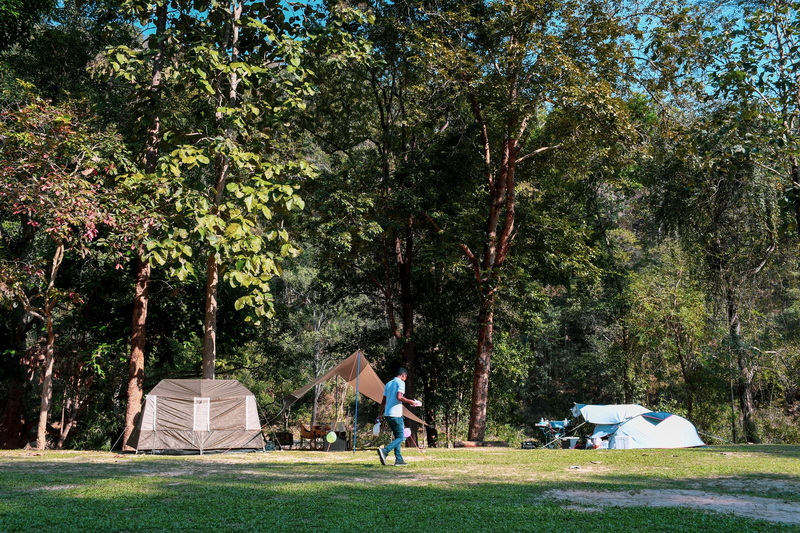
355 366
339 442
284 439
633 426
314 435
553 431
359 375
198 416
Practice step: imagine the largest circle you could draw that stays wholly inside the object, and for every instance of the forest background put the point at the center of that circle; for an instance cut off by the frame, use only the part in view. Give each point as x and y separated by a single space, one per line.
527 204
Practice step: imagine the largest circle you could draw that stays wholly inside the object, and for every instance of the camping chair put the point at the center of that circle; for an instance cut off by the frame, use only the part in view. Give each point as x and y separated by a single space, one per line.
553 431
313 435
307 435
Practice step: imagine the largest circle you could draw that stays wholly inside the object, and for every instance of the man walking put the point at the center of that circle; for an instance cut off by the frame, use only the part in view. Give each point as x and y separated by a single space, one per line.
392 406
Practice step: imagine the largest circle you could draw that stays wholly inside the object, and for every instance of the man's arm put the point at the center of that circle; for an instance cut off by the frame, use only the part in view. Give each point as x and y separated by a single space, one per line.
402 399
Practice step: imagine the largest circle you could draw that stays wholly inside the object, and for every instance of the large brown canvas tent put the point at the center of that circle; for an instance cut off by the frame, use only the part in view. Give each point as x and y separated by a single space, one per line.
198 415
359 375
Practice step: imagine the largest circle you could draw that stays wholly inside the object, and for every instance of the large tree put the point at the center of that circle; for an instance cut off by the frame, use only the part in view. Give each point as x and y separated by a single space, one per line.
742 54
755 66
711 190
517 64
55 185
145 81
234 69
380 121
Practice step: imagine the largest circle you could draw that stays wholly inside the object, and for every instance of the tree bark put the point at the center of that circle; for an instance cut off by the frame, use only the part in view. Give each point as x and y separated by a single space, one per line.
746 373
794 176
483 363
72 406
47 385
49 359
210 322
747 405
138 341
404 248
141 297
502 207
428 410
12 419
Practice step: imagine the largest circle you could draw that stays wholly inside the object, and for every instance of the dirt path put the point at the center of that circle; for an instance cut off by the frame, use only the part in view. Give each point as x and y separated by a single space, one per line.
749 506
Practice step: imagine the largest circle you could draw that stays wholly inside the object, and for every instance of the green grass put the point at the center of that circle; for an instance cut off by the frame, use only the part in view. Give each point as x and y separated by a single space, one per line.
442 490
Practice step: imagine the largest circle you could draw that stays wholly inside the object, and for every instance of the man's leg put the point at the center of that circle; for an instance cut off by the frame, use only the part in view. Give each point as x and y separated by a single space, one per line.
397 426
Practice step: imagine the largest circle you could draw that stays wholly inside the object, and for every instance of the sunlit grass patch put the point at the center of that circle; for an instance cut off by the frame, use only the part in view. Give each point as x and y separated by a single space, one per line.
442 490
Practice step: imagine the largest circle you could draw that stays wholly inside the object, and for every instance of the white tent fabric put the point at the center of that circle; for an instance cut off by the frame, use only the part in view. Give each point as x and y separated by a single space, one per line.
633 426
673 432
608 414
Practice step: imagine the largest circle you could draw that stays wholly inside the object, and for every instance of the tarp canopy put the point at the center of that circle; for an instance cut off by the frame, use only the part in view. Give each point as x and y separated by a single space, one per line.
355 366
634 426
197 415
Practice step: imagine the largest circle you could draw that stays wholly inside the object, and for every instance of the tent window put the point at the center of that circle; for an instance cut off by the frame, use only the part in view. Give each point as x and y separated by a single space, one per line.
251 414
202 414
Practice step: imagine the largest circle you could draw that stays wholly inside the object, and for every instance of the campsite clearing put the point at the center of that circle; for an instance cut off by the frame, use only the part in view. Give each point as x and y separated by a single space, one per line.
741 488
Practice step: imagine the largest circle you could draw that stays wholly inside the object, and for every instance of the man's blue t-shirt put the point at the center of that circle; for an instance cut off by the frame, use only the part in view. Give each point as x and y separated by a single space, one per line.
393 406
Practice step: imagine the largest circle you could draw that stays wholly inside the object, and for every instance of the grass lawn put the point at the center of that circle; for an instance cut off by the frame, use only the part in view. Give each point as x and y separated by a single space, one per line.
736 489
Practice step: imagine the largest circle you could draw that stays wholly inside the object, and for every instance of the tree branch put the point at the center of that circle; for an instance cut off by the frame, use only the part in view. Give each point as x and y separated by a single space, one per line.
476 267
487 151
537 152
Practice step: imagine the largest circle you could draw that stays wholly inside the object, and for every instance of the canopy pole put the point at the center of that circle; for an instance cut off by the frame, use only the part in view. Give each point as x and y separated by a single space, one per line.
355 415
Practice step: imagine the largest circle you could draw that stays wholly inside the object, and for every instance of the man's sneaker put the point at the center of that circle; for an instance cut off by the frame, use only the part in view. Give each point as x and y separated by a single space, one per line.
382 455
400 463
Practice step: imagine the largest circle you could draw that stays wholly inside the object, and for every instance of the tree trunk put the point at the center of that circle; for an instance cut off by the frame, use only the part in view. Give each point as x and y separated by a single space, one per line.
429 414
746 373
69 418
141 297
210 323
404 261
229 99
49 359
483 361
319 369
497 241
47 384
404 254
12 417
138 340
795 180
746 403
688 382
